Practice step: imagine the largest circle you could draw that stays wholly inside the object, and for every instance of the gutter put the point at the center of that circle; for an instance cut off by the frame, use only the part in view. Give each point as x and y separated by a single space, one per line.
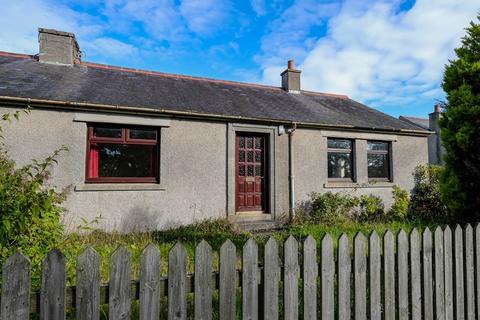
85 106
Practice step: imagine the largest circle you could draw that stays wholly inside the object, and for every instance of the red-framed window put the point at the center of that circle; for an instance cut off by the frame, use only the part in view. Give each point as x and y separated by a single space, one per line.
122 154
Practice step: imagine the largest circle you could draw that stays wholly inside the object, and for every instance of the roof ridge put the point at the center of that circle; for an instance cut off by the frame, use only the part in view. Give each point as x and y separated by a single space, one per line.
173 75
16 55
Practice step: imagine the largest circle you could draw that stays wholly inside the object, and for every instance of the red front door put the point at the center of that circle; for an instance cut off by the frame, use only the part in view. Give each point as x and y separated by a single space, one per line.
250 169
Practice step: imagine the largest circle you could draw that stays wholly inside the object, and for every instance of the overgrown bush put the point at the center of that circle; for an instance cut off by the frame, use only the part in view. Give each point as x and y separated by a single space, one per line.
29 209
401 201
330 207
371 208
426 200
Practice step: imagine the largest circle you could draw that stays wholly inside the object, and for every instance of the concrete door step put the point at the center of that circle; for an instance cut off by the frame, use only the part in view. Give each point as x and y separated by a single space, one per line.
259 226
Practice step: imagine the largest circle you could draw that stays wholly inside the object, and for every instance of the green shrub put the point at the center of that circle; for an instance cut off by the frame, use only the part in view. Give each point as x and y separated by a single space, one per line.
30 210
331 207
426 200
371 208
401 201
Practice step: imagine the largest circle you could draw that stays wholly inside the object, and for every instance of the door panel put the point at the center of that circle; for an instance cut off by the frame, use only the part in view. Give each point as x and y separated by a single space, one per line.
250 172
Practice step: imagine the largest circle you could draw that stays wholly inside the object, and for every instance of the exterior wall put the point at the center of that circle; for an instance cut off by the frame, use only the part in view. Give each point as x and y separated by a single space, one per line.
192 165
311 173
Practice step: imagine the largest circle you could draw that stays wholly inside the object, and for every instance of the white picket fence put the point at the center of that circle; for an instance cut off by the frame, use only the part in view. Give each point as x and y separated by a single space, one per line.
415 276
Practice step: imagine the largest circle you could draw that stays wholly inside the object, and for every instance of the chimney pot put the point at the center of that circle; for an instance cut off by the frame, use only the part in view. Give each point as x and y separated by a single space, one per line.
438 108
291 78
58 47
291 65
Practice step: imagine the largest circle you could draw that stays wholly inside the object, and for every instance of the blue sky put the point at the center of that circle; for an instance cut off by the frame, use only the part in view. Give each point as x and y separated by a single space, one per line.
387 54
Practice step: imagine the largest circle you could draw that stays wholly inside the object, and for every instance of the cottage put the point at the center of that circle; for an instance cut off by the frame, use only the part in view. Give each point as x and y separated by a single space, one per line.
150 150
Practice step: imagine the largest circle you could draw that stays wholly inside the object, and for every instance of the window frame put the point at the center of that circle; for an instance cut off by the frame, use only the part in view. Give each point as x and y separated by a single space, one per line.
123 140
388 161
351 151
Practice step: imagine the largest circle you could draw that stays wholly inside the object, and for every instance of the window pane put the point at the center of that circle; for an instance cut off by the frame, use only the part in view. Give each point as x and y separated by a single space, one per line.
250 156
339 144
377 146
117 160
143 134
258 156
339 165
107 132
258 171
377 166
250 142
241 170
241 142
241 156
258 142
250 171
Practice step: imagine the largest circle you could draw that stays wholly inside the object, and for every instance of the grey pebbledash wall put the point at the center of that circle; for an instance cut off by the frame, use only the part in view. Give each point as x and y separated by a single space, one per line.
197 179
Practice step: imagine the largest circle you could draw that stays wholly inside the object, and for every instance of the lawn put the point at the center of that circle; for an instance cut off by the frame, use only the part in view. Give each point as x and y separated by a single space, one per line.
214 232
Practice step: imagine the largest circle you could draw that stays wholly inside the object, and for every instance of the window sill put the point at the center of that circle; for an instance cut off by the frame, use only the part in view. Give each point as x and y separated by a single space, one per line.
370 184
119 187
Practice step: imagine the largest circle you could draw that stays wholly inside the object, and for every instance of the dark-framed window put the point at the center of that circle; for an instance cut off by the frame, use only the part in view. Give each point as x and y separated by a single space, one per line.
340 159
378 159
122 154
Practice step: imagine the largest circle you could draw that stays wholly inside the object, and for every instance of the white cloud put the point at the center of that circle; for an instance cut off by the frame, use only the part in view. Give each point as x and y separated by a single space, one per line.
204 17
20 20
111 48
377 54
259 7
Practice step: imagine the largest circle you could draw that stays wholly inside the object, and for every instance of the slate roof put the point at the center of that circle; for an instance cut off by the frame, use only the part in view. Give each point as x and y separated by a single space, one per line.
23 76
423 123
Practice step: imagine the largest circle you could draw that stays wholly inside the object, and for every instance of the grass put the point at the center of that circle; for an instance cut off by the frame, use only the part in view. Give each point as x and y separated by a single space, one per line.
215 232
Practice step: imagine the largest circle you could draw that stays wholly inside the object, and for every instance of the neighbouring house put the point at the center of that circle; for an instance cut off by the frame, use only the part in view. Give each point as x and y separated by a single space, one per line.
436 150
150 150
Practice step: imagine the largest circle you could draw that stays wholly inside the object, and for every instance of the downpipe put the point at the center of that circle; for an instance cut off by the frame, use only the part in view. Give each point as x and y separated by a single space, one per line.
291 171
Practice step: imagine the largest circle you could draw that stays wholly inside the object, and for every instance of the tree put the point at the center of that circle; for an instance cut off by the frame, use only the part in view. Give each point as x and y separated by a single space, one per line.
460 127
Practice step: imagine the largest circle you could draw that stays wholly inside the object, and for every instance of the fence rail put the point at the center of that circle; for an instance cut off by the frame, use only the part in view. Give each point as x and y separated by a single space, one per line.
406 276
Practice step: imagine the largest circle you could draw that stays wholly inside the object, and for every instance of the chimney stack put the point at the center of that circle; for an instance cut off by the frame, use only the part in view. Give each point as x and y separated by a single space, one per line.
291 78
58 47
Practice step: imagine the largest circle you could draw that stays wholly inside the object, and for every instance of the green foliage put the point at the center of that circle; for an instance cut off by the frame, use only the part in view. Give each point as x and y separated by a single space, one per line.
371 208
334 208
426 200
30 210
401 201
460 127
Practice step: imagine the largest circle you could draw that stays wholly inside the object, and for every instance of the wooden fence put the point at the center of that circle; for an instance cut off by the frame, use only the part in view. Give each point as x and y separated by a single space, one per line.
405 276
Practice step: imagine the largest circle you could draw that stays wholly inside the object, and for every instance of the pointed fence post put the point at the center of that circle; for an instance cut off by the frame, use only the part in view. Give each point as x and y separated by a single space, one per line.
403 267
360 274
439 273
119 300
88 285
448 267
149 283
344 274
203 281
310 275
177 283
469 273
389 274
52 293
459 274
415 275
272 280
375 274
291 275
250 280
328 279
15 294
427 275
228 280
